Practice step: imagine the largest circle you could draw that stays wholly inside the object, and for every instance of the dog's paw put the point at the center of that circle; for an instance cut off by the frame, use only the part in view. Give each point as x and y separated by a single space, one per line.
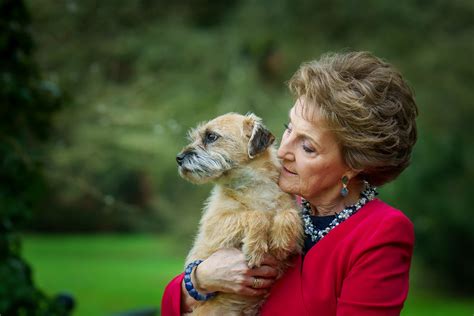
280 253
255 260
255 251
287 234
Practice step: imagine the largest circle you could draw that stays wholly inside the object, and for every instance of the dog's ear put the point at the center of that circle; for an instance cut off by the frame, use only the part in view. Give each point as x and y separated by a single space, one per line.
260 138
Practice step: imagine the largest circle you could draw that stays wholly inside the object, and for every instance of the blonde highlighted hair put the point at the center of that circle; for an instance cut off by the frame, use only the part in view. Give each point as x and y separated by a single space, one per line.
369 107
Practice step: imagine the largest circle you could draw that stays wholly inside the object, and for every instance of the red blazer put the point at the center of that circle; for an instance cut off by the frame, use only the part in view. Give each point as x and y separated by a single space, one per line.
360 268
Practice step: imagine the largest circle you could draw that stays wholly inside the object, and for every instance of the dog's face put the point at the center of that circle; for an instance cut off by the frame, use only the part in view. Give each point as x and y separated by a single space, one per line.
222 144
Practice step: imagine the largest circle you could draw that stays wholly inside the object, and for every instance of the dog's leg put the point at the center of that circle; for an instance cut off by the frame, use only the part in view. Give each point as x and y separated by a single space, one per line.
255 242
224 229
287 234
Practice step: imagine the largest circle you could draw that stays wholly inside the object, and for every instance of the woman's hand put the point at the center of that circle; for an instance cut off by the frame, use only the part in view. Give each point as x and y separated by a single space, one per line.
227 271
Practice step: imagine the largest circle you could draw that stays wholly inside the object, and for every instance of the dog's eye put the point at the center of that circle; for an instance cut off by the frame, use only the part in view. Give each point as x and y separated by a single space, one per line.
210 138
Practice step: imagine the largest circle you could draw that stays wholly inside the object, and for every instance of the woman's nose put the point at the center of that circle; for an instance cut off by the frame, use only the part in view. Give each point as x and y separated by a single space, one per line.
284 151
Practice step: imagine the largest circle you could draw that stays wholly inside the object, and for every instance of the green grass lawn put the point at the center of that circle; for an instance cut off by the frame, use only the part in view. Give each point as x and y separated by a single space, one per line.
113 273
106 274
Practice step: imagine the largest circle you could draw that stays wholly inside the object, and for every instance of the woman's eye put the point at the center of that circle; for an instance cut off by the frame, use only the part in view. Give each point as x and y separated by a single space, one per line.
287 127
211 137
308 149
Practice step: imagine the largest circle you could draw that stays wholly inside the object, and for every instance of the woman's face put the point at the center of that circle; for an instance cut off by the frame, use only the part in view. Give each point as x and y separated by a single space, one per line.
311 159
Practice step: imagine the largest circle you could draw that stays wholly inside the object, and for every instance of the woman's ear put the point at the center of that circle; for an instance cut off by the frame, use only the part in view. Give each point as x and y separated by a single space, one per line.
260 138
352 173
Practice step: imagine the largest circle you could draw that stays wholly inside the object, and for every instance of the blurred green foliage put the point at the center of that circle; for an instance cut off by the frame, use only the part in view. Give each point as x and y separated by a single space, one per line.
143 72
27 105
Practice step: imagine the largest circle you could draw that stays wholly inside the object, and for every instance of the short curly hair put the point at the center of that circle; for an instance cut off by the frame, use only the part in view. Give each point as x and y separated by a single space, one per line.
369 107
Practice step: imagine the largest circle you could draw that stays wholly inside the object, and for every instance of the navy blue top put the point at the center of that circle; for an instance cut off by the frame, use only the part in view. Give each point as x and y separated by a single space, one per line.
319 222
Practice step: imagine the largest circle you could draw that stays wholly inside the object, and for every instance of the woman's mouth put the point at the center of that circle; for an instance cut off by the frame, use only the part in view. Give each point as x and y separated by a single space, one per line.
288 171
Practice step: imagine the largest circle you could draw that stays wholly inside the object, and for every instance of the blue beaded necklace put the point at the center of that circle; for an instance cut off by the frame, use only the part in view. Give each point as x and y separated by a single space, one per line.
316 235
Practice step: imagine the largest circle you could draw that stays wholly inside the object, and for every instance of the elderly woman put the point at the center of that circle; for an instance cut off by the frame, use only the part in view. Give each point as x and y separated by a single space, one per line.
351 128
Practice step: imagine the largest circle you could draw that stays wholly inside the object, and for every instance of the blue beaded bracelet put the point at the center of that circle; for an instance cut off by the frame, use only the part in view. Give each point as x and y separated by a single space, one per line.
189 285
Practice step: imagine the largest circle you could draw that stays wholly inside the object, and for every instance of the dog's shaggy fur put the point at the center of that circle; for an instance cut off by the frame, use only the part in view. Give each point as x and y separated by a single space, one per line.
246 209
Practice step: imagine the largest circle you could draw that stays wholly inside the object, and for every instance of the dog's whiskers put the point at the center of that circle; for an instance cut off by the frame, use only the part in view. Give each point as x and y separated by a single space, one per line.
203 164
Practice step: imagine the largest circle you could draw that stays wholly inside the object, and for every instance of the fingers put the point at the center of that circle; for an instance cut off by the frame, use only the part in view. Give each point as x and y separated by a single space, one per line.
247 291
269 260
261 283
254 286
227 271
264 272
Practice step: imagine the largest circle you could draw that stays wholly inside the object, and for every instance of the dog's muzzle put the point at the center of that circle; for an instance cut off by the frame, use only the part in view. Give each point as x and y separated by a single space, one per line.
182 156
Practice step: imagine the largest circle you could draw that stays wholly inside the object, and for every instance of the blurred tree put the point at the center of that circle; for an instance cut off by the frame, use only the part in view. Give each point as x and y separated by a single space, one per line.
27 105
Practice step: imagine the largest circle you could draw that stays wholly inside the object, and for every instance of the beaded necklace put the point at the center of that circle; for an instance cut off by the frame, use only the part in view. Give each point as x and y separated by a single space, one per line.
316 235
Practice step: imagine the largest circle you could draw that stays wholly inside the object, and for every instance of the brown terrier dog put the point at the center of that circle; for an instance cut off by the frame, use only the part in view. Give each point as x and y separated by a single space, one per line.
246 209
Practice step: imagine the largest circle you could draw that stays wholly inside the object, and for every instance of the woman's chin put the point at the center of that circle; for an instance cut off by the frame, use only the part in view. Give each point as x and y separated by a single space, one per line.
286 186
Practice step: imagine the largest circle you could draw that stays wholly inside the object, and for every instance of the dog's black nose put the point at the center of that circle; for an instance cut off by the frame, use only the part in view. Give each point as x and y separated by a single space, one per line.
180 158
